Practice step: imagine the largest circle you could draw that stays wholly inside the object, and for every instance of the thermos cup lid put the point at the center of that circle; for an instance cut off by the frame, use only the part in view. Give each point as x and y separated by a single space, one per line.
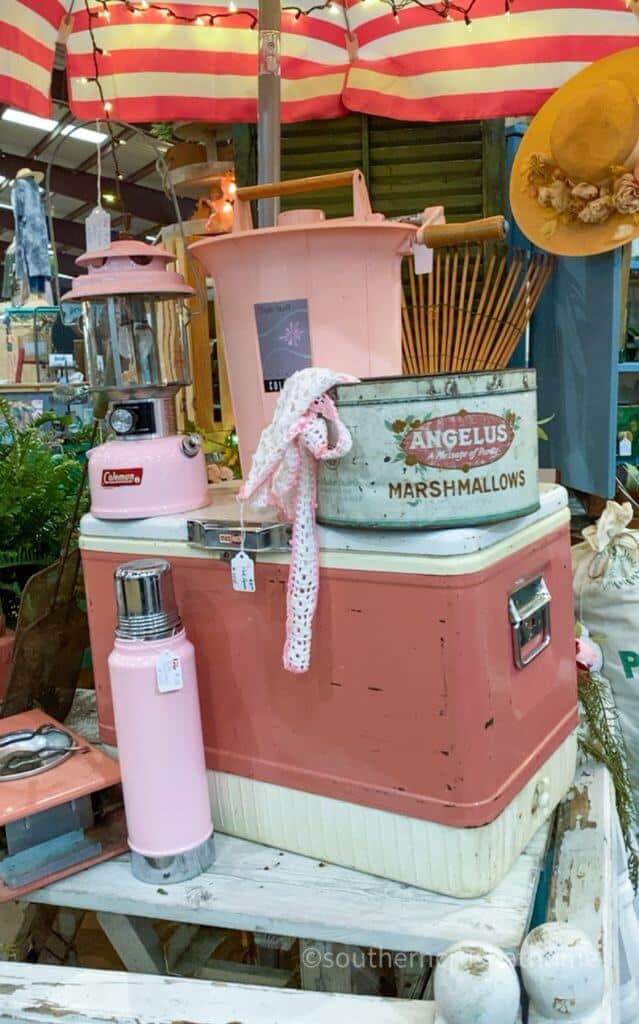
145 599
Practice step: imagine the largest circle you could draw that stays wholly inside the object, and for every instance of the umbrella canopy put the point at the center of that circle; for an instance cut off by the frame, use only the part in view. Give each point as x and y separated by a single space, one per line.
152 60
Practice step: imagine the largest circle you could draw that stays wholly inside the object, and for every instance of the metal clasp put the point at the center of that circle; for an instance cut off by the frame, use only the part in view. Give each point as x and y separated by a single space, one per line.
254 538
529 611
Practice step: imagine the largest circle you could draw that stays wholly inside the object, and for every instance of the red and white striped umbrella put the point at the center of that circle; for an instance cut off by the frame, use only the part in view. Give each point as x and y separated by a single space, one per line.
153 66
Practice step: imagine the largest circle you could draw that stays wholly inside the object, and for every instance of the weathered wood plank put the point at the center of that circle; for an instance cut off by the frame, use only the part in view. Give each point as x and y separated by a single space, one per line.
256 888
584 888
48 995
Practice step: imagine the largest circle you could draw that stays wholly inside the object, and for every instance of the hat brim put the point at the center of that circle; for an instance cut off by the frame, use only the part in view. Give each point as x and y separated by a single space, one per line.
574 238
37 176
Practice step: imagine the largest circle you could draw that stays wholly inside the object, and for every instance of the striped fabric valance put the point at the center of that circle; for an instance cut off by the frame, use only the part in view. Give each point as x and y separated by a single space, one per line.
359 57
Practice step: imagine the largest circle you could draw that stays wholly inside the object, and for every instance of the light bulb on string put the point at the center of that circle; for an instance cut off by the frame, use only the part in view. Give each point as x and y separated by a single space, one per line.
232 188
108 106
232 7
199 21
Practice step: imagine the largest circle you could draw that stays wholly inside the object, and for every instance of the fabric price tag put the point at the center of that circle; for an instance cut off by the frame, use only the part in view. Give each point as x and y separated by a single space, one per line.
423 257
243 572
97 229
168 672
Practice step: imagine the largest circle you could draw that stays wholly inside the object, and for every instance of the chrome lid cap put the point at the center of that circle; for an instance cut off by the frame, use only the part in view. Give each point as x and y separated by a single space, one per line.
145 599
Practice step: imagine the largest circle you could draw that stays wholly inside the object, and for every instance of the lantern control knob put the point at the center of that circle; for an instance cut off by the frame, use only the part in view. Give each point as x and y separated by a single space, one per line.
191 445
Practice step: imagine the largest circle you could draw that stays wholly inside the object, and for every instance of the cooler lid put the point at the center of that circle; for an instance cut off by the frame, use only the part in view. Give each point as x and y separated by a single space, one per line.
437 543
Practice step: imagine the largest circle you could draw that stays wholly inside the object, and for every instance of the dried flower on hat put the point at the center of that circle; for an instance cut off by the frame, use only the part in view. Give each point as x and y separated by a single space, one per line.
556 195
574 208
539 170
626 195
585 191
597 211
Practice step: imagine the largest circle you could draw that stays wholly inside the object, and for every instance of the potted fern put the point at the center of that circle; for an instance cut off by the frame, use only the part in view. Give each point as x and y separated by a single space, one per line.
40 472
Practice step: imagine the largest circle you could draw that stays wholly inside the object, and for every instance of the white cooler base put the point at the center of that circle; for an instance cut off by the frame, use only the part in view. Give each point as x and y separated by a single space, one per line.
460 862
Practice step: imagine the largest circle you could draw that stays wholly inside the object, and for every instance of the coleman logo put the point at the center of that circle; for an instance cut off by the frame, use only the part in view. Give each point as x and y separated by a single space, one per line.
464 440
122 477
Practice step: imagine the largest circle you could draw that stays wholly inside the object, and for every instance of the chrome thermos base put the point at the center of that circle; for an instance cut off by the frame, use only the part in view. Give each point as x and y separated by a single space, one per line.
179 868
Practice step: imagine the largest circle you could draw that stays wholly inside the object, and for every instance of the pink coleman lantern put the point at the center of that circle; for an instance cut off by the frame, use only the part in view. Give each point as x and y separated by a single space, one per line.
136 344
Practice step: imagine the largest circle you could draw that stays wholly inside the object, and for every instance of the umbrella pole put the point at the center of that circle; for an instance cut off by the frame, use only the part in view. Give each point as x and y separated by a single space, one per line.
268 123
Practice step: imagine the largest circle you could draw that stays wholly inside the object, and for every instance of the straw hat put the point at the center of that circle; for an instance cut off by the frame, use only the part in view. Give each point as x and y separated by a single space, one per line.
26 172
573 189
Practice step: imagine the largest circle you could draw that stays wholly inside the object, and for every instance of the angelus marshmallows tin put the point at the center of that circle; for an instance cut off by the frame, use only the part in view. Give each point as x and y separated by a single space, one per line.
434 451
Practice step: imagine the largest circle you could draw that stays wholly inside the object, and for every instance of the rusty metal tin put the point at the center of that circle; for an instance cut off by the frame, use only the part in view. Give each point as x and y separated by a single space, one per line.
436 451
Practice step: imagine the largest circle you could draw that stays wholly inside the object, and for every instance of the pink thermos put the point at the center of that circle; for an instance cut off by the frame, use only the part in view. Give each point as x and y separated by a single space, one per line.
158 727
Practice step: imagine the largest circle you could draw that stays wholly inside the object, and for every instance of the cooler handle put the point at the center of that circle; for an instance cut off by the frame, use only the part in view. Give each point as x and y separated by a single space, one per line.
244 196
529 611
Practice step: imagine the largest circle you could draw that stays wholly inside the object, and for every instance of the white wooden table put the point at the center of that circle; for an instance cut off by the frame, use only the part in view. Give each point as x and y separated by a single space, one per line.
260 889
474 982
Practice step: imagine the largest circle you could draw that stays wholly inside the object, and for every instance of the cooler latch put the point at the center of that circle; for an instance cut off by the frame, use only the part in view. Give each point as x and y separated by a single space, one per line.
529 610
254 538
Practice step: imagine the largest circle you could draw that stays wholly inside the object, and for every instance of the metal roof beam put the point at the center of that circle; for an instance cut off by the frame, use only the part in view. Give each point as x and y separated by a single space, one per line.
146 203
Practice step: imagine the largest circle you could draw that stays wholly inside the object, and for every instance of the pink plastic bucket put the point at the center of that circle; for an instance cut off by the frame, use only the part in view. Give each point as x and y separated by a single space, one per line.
310 291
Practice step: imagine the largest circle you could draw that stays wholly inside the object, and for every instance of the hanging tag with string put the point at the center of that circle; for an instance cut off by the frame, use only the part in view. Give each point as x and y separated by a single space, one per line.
242 567
97 226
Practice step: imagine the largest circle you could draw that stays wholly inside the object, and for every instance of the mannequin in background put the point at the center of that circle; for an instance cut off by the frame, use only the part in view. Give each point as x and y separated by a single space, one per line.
33 263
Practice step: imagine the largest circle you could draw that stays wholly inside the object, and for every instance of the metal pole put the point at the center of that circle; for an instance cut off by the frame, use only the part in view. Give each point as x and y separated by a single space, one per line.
268 124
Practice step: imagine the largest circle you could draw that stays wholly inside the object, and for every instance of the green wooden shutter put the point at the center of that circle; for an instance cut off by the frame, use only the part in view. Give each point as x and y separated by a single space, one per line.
418 165
322 147
407 165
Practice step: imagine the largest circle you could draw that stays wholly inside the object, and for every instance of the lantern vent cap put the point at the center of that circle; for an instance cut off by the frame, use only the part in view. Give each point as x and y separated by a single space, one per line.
127 268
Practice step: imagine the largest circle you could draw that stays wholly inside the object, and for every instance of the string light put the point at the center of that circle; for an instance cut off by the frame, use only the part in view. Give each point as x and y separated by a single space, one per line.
200 18
444 10
108 106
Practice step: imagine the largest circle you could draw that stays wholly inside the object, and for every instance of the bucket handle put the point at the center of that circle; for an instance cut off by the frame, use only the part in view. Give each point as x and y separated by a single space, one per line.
243 220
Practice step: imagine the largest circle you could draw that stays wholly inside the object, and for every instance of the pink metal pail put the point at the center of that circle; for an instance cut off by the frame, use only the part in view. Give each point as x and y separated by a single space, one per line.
309 292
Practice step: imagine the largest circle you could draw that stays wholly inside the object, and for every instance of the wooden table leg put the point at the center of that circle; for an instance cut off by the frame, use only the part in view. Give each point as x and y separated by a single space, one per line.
135 941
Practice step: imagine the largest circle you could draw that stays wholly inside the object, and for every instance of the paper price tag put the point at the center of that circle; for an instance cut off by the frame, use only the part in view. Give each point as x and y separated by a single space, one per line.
243 572
423 257
97 228
168 672
625 446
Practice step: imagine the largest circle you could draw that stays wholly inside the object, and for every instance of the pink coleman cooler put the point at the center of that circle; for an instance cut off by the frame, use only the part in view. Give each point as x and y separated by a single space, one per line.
434 732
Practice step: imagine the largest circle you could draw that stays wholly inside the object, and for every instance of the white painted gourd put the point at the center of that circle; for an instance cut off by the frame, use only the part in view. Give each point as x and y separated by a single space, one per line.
476 983
563 973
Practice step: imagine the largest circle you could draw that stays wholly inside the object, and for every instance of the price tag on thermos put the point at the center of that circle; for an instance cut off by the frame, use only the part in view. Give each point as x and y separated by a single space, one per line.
243 572
168 672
